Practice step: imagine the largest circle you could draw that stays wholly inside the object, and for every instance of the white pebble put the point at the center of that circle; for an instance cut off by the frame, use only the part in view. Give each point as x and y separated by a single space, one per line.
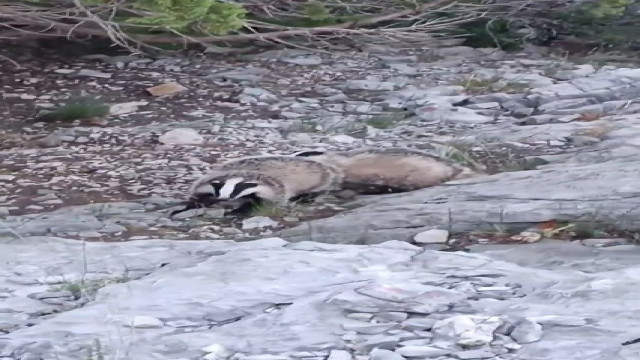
433 236
145 322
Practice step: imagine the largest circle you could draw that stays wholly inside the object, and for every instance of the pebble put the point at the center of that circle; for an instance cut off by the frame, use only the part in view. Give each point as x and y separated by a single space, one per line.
93 73
339 355
145 322
418 324
527 331
559 320
367 328
217 351
421 351
379 342
393 316
469 330
181 136
258 222
51 295
384 354
433 236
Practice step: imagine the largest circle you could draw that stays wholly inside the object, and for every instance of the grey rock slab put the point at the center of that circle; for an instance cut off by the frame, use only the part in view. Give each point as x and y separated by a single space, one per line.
274 298
384 354
474 354
564 193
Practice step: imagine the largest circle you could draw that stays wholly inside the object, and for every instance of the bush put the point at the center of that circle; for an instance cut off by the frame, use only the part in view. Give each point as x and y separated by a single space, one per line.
143 23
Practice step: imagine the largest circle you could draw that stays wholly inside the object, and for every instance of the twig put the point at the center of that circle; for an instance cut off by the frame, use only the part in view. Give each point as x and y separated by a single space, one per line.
15 63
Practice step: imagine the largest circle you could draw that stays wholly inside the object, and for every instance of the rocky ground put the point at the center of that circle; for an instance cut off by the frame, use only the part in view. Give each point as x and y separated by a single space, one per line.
496 108
559 141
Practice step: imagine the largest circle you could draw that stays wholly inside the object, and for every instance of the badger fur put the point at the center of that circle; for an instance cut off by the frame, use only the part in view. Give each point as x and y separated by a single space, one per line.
244 183
302 176
384 171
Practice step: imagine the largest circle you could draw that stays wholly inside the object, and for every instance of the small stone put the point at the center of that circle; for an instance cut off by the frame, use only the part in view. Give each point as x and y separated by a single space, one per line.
259 93
51 295
360 316
433 236
51 140
580 71
339 355
368 328
217 351
303 60
214 213
181 136
166 89
4 177
258 222
343 139
126 108
89 234
559 320
422 351
384 354
469 330
418 324
379 342
527 237
93 73
393 316
583 140
527 331
145 322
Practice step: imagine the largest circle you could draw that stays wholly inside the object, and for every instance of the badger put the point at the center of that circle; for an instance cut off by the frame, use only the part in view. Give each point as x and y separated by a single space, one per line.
245 183
392 170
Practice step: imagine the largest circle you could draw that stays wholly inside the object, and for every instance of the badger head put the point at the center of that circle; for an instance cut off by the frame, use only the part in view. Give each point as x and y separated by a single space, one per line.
234 194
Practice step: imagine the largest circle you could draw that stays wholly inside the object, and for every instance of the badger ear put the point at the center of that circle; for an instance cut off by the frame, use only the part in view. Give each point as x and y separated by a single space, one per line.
309 153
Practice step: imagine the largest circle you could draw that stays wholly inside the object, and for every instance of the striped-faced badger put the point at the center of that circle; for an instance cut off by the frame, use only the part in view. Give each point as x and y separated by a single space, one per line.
385 171
244 183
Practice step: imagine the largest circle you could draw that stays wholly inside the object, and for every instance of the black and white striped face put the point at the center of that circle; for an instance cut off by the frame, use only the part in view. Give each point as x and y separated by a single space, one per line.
229 189
232 194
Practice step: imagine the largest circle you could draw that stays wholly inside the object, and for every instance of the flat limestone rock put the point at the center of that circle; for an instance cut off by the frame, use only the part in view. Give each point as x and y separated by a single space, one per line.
268 298
605 191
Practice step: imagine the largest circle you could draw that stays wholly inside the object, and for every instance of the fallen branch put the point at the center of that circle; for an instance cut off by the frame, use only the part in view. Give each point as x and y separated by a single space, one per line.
20 19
